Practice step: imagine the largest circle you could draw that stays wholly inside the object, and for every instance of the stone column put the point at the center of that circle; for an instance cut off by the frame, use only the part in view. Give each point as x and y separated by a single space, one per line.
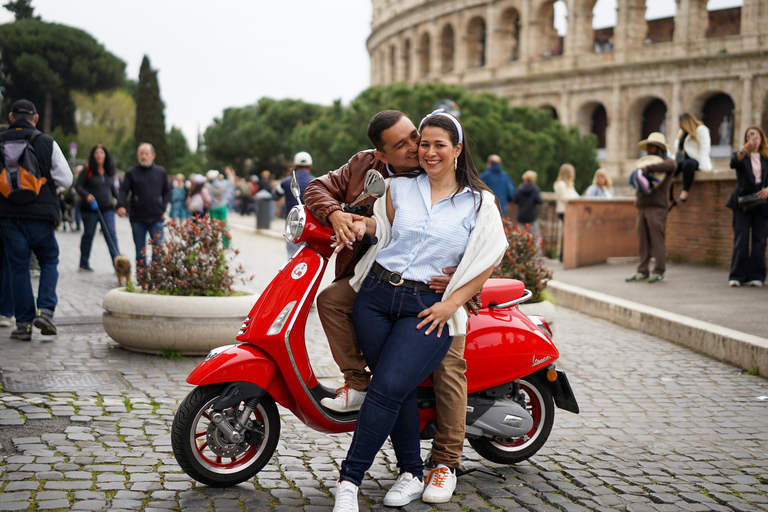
565 108
691 21
631 26
748 115
675 109
492 50
612 140
580 38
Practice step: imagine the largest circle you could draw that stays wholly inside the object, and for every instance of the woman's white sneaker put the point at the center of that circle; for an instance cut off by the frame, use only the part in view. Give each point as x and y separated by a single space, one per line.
347 400
346 497
406 489
440 484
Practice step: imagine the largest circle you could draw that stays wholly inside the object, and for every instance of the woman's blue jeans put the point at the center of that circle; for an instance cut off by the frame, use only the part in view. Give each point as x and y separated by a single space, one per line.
400 357
90 219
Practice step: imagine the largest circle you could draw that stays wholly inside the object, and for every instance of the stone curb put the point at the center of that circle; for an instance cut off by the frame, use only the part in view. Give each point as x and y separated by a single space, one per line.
727 345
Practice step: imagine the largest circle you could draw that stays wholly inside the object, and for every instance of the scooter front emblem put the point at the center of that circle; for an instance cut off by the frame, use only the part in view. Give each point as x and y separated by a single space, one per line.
299 271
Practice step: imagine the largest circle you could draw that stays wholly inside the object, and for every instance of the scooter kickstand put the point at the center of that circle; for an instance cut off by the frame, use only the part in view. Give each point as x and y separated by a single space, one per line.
488 472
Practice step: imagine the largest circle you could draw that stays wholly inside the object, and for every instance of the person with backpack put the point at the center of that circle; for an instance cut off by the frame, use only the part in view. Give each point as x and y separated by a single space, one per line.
96 187
33 166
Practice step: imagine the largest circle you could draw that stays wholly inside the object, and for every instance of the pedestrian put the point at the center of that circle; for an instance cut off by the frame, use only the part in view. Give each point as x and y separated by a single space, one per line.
602 185
749 202
396 141
403 346
219 195
499 182
179 210
652 208
29 228
564 192
96 187
527 197
6 290
692 147
198 198
150 192
302 164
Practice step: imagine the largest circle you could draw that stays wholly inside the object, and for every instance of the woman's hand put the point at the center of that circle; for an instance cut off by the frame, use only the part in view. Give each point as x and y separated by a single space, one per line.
763 193
89 198
353 231
436 317
343 225
752 145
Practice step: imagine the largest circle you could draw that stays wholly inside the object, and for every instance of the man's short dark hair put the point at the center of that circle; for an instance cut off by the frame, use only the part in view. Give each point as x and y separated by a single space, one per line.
29 118
381 122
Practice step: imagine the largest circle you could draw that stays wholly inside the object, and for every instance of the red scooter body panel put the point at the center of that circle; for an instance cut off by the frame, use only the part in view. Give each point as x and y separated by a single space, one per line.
504 345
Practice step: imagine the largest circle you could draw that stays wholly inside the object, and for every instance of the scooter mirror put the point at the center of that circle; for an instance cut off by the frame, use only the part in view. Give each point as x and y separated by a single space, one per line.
374 186
295 187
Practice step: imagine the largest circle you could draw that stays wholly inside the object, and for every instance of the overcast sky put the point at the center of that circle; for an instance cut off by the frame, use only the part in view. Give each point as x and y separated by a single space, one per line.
229 53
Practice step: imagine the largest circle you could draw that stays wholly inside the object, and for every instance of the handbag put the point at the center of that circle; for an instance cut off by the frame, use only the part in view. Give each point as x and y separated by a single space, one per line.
750 202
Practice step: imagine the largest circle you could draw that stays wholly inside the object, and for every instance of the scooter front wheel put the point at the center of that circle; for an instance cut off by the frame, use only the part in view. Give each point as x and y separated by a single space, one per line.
540 405
205 453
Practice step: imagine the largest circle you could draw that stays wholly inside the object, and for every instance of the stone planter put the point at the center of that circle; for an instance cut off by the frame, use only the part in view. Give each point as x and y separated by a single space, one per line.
543 308
143 322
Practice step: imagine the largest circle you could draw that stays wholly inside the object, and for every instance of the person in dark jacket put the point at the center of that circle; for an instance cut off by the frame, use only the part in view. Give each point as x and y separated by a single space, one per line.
652 209
302 163
527 196
29 228
499 182
150 192
750 219
96 187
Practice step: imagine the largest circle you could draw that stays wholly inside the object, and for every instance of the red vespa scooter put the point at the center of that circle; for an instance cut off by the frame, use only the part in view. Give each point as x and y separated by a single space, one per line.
226 430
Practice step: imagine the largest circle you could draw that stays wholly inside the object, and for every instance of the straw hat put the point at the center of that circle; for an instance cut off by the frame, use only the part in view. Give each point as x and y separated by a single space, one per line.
655 138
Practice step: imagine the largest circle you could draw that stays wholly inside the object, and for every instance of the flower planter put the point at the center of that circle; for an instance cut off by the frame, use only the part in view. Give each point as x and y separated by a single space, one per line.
148 323
543 308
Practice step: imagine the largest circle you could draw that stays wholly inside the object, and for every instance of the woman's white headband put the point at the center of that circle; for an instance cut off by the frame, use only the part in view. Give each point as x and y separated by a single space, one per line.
441 112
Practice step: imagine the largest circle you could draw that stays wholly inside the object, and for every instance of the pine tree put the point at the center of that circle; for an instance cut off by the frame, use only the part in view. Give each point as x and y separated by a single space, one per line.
150 118
21 9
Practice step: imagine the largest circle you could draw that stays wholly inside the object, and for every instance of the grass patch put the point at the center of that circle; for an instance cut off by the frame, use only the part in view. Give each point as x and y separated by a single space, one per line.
171 353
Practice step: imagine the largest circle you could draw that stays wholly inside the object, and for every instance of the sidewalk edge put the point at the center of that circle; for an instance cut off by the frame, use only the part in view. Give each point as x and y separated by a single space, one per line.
728 345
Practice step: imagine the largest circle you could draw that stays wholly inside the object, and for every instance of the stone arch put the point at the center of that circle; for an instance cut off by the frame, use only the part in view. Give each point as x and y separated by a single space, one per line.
547 107
425 47
723 22
602 37
406 57
547 41
718 113
447 48
509 35
592 117
646 114
476 42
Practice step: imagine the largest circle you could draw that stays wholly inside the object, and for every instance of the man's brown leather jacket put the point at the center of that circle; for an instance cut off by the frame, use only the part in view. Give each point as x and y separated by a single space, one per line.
326 194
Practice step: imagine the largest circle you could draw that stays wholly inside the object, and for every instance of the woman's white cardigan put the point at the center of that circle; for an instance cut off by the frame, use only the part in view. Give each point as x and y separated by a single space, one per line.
485 247
699 151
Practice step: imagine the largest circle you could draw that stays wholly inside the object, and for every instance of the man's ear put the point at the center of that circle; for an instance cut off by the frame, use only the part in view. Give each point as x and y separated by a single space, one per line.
36 119
381 156
10 117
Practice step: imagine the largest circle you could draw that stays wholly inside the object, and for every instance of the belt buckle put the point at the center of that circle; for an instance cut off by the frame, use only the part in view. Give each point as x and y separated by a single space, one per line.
399 281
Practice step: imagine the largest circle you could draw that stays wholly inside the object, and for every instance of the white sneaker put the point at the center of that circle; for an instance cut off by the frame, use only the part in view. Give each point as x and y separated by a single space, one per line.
733 283
756 283
7 321
347 400
441 482
406 489
346 497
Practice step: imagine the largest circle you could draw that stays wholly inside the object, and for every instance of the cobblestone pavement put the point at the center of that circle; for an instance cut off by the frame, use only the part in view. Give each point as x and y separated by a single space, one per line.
661 428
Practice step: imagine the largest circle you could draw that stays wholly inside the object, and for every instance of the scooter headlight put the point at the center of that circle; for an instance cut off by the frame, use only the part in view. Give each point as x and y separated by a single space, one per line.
294 223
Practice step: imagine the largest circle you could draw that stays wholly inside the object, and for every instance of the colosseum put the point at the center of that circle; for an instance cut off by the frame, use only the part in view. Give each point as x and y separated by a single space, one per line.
620 83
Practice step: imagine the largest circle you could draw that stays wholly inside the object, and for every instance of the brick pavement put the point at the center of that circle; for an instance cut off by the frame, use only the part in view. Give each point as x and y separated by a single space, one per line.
661 428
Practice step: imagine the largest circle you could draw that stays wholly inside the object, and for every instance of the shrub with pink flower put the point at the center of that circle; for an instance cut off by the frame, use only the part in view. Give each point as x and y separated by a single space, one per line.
523 261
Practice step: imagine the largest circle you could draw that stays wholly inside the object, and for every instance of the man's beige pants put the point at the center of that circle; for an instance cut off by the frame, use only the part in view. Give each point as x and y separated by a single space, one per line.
334 306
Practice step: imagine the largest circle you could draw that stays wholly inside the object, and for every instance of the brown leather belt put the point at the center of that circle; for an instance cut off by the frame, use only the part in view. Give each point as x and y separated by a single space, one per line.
395 279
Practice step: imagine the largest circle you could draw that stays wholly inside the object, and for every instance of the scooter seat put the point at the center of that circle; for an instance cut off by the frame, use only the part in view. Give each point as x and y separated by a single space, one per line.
501 290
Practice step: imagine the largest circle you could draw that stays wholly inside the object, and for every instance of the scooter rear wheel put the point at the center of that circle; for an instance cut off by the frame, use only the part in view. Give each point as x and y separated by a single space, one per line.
540 405
206 455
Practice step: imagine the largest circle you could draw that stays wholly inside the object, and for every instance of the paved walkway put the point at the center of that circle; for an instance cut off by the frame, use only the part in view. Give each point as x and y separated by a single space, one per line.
661 428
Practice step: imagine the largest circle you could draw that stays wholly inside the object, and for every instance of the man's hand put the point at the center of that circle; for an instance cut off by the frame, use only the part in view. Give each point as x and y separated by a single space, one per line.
120 212
344 226
763 193
440 283
436 317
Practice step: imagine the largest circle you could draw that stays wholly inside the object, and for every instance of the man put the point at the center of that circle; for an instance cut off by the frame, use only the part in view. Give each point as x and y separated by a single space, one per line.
219 189
29 228
150 192
652 209
499 182
395 139
302 164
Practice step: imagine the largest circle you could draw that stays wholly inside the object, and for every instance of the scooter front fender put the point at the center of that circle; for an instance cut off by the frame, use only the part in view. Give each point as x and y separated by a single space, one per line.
243 363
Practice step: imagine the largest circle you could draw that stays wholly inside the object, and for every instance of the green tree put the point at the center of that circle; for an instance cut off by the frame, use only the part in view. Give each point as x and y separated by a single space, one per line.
106 118
260 134
150 116
21 9
45 62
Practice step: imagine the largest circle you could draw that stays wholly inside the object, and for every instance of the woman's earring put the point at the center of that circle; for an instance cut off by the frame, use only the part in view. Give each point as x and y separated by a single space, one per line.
455 163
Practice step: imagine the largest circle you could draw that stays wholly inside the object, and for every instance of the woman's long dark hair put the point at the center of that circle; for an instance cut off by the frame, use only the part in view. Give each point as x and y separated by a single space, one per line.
466 173
109 164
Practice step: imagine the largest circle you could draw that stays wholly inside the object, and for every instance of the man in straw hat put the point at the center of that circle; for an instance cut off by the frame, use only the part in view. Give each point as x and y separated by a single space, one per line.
652 208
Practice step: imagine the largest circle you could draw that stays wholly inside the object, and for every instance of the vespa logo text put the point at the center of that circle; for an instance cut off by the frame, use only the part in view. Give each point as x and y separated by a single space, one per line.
539 361
299 271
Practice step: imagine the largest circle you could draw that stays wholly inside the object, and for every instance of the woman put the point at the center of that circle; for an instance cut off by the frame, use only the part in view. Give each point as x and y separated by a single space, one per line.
178 198
96 187
198 198
564 192
692 147
751 164
601 186
443 216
